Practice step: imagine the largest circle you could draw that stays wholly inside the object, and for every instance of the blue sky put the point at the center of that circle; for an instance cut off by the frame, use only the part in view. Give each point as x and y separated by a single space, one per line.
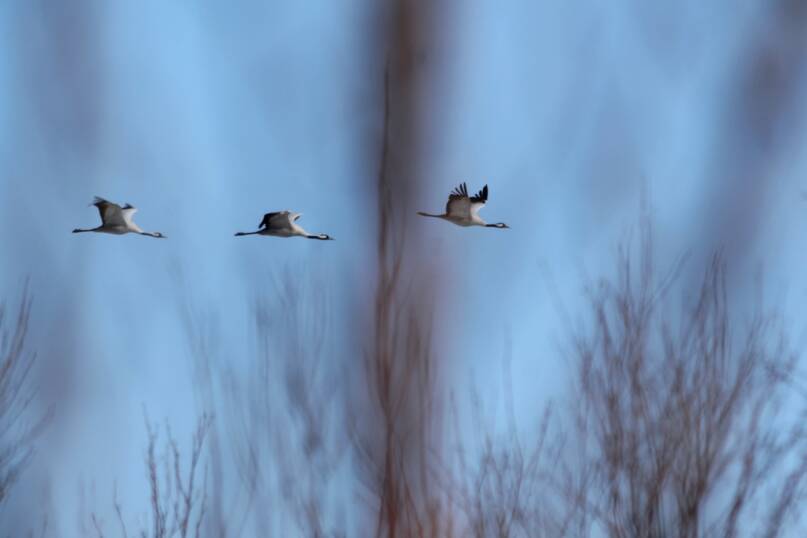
206 117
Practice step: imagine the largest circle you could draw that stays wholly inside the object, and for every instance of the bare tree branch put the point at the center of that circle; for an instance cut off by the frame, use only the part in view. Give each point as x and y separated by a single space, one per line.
18 428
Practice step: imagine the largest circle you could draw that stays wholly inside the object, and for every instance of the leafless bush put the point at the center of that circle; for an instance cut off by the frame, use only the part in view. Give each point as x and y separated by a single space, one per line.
679 425
684 424
285 421
17 427
203 333
499 484
177 493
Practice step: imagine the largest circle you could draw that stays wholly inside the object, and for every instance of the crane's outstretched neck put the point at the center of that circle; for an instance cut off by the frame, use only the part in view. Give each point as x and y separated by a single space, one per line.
80 230
239 234
423 214
321 237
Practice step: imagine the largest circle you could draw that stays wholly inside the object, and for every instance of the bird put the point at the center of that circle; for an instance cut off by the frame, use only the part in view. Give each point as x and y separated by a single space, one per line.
283 224
116 220
463 210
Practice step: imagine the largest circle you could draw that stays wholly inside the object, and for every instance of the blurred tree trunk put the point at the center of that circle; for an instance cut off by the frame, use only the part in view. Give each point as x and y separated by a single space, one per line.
756 131
396 415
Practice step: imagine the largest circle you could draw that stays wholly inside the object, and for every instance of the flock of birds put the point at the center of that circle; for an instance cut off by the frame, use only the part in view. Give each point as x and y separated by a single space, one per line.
461 209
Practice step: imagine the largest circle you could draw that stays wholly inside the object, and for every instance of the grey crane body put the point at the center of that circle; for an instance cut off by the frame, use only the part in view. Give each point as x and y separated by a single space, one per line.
283 224
116 220
463 210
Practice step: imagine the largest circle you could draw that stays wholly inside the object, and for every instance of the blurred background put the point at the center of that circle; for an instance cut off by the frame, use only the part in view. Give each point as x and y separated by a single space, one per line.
333 386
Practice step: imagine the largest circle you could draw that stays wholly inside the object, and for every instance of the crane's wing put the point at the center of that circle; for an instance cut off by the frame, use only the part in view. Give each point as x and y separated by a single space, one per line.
111 214
277 220
478 201
128 212
459 204
267 218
